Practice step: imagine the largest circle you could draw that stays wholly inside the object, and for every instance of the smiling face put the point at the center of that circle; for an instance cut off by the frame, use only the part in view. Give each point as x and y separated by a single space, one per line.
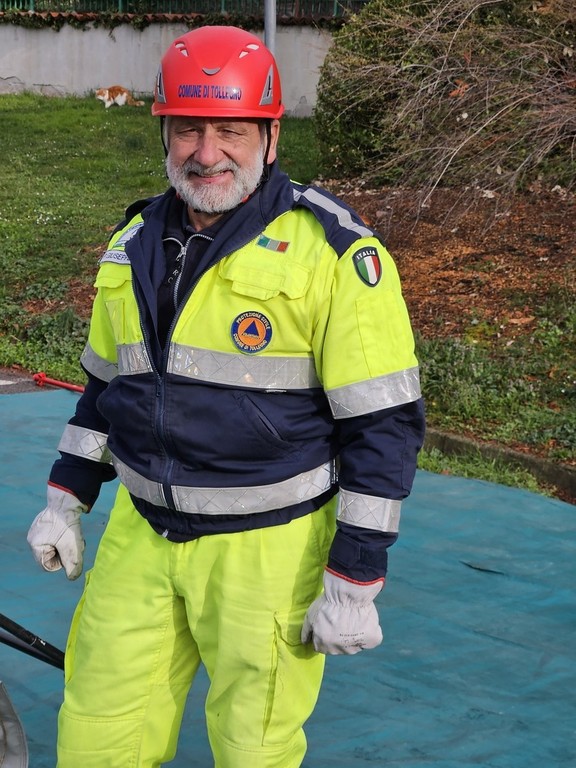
214 163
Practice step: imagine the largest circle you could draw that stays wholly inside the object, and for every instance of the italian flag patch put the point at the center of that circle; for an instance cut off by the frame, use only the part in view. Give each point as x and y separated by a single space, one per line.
367 265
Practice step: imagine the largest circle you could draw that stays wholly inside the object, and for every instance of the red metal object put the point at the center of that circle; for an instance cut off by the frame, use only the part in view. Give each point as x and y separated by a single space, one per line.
41 379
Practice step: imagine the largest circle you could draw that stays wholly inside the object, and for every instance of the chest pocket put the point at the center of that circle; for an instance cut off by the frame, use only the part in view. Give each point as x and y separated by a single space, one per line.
264 276
115 286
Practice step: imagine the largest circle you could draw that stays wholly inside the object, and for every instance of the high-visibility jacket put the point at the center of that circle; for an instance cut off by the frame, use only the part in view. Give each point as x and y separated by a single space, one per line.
288 375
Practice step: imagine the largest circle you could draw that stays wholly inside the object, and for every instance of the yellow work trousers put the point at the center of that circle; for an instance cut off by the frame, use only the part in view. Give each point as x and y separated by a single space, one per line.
152 611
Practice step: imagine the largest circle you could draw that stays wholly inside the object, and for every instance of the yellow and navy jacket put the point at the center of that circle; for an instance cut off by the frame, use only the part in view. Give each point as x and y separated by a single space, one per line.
283 374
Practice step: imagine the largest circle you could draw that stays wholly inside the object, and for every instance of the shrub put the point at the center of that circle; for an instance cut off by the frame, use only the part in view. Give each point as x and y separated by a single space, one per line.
461 92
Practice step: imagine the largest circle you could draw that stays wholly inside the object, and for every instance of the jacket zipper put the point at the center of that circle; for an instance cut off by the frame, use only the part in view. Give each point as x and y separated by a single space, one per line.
166 484
159 410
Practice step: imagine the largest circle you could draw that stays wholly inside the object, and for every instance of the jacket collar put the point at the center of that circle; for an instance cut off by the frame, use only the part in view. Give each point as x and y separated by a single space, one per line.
146 249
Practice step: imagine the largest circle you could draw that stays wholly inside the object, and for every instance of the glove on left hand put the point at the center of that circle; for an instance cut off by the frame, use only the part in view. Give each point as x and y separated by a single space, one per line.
344 619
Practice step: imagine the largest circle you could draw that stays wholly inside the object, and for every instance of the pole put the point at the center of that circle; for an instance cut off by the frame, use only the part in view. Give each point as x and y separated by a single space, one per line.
29 643
270 25
41 379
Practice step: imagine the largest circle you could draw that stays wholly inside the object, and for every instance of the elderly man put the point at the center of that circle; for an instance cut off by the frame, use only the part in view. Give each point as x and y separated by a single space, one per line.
253 385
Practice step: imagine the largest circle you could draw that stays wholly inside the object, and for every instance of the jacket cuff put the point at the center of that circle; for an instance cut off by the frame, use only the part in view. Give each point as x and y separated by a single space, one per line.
360 555
81 477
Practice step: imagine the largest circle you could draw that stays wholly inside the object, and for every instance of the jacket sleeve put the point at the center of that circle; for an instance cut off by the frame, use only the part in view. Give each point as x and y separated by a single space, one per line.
85 460
371 378
377 467
84 463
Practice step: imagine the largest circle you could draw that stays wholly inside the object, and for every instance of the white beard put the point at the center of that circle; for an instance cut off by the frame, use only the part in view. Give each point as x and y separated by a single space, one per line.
215 198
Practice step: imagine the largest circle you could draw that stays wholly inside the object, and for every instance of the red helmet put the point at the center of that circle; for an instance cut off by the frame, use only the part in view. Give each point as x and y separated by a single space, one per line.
218 72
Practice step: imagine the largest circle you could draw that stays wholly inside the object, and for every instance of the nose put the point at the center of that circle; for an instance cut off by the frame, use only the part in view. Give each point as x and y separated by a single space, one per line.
207 151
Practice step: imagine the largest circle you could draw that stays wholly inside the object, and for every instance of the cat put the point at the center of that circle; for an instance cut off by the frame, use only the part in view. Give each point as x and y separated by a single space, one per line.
117 94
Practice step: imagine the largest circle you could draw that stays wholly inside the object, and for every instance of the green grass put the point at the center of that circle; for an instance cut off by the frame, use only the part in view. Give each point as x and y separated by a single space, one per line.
475 465
69 169
298 152
520 395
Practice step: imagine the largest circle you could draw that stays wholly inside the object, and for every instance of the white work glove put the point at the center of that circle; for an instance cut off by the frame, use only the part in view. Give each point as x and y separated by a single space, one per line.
344 619
56 535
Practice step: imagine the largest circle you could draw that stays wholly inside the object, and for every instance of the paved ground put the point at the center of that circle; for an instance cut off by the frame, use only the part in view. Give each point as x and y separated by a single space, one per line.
13 382
479 615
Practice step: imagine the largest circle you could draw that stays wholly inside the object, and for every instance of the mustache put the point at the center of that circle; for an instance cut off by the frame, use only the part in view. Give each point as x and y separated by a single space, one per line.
191 166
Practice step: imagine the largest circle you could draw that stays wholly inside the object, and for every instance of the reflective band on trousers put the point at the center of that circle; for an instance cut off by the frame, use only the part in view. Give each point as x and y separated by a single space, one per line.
230 501
228 368
369 511
375 394
86 443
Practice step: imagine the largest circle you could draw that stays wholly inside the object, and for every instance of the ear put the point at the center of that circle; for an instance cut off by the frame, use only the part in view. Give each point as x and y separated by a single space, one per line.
274 134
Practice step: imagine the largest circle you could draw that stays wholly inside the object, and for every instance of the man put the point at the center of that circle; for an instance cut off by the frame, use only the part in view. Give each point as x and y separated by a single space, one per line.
253 385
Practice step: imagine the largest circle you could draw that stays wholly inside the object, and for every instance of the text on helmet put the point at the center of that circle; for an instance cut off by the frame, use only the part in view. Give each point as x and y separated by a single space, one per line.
203 91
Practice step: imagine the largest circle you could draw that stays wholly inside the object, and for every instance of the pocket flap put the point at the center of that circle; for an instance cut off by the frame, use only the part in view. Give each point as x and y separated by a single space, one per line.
289 625
112 275
263 277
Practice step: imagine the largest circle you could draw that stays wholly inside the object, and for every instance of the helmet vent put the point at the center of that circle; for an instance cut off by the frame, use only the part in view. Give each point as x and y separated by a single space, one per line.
213 71
249 47
182 48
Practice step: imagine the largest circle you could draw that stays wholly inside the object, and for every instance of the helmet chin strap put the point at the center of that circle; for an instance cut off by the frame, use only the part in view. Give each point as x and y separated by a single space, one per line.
162 119
266 171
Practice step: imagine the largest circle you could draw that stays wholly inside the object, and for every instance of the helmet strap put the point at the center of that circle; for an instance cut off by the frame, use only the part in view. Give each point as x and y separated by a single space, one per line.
266 172
162 121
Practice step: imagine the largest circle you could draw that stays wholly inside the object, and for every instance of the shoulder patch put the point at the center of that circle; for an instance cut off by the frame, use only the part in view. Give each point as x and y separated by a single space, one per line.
367 265
116 253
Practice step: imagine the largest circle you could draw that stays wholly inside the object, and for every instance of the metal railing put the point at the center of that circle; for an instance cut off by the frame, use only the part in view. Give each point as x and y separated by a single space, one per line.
287 8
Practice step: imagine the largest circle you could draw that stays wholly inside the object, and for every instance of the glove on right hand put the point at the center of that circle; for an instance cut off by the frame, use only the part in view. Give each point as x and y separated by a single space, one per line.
55 535
344 619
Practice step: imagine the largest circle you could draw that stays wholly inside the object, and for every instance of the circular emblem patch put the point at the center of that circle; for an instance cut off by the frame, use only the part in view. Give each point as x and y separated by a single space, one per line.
251 332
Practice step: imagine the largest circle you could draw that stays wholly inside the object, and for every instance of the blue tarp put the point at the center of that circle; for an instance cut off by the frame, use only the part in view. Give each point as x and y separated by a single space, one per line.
478 665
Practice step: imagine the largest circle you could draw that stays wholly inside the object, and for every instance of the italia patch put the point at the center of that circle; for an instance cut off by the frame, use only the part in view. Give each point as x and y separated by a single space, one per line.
368 265
251 332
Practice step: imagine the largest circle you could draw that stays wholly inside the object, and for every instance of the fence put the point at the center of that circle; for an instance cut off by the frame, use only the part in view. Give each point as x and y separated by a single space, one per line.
288 8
